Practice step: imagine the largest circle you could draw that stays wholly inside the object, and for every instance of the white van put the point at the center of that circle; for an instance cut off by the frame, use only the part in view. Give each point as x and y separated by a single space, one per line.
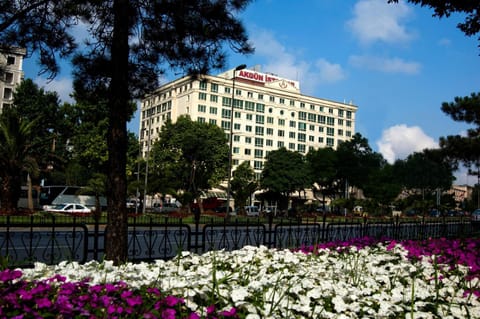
252 211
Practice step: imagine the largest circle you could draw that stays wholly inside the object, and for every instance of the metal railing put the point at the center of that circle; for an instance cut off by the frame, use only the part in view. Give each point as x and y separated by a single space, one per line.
51 239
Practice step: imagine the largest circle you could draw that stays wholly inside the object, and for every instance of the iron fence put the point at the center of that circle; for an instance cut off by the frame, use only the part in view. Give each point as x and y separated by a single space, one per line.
50 239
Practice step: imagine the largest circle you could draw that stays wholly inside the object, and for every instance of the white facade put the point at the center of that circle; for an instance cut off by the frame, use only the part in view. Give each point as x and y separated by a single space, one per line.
11 71
269 112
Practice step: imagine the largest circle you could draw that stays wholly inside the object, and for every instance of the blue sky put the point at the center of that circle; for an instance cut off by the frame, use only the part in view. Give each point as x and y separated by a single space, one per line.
394 61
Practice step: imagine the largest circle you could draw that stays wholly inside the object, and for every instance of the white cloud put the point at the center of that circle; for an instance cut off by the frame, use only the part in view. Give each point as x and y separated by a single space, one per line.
399 141
387 65
63 87
286 64
376 20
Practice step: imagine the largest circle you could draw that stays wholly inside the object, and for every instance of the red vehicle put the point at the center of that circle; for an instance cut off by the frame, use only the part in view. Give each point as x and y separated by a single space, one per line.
210 203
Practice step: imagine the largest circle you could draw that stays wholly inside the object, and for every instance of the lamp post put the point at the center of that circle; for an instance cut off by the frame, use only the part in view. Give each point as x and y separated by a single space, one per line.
230 144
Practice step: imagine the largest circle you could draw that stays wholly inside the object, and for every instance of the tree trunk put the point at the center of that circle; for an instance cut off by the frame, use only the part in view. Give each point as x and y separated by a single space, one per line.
117 220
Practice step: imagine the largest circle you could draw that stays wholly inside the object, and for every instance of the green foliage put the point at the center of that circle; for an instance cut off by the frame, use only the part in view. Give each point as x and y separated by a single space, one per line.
16 156
356 161
425 171
243 184
284 172
189 156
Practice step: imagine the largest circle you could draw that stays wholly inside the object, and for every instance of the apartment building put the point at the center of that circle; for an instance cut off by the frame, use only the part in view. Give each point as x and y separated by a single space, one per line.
11 73
269 112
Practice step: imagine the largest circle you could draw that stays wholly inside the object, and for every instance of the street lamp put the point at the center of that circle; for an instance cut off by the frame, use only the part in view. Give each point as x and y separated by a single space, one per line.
230 155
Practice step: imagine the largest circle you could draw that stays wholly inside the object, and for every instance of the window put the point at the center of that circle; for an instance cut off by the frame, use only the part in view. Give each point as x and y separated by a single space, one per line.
236 126
311 127
312 117
260 96
236 138
202 108
214 87
302 137
9 77
257 164
349 114
311 138
258 130
348 133
320 140
281 133
238 115
301 148
292 103
259 119
330 111
269 120
291 146
213 98
340 122
340 132
302 105
280 144
227 90
212 121
236 150
248 128
293 124
10 60
348 123
248 140
312 107
250 117
272 99
321 119
330 131
203 85
258 142
281 122
282 101
330 141
213 110
340 113
268 142
226 101
250 95
226 125
260 107
291 134
202 96
201 120
302 126
247 151
258 153
226 113
7 94
249 106
302 116
269 131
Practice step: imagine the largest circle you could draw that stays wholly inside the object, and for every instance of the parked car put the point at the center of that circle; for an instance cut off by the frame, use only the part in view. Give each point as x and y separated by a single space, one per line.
475 216
252 211
70 208
166 207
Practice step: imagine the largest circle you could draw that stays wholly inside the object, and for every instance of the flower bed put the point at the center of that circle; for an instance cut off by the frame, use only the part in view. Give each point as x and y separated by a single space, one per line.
358 279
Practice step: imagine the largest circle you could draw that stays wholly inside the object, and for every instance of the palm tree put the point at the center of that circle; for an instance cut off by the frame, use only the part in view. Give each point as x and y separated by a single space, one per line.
16 157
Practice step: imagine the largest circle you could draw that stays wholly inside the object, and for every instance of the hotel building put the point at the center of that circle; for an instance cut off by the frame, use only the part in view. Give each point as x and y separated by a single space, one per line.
11 73
269 112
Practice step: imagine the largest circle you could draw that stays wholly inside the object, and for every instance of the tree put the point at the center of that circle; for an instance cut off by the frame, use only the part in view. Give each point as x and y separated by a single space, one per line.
192 154
425 171
127 45
471 9
322 169
284 172
356 161
16 156
464 149
383 186
243 184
